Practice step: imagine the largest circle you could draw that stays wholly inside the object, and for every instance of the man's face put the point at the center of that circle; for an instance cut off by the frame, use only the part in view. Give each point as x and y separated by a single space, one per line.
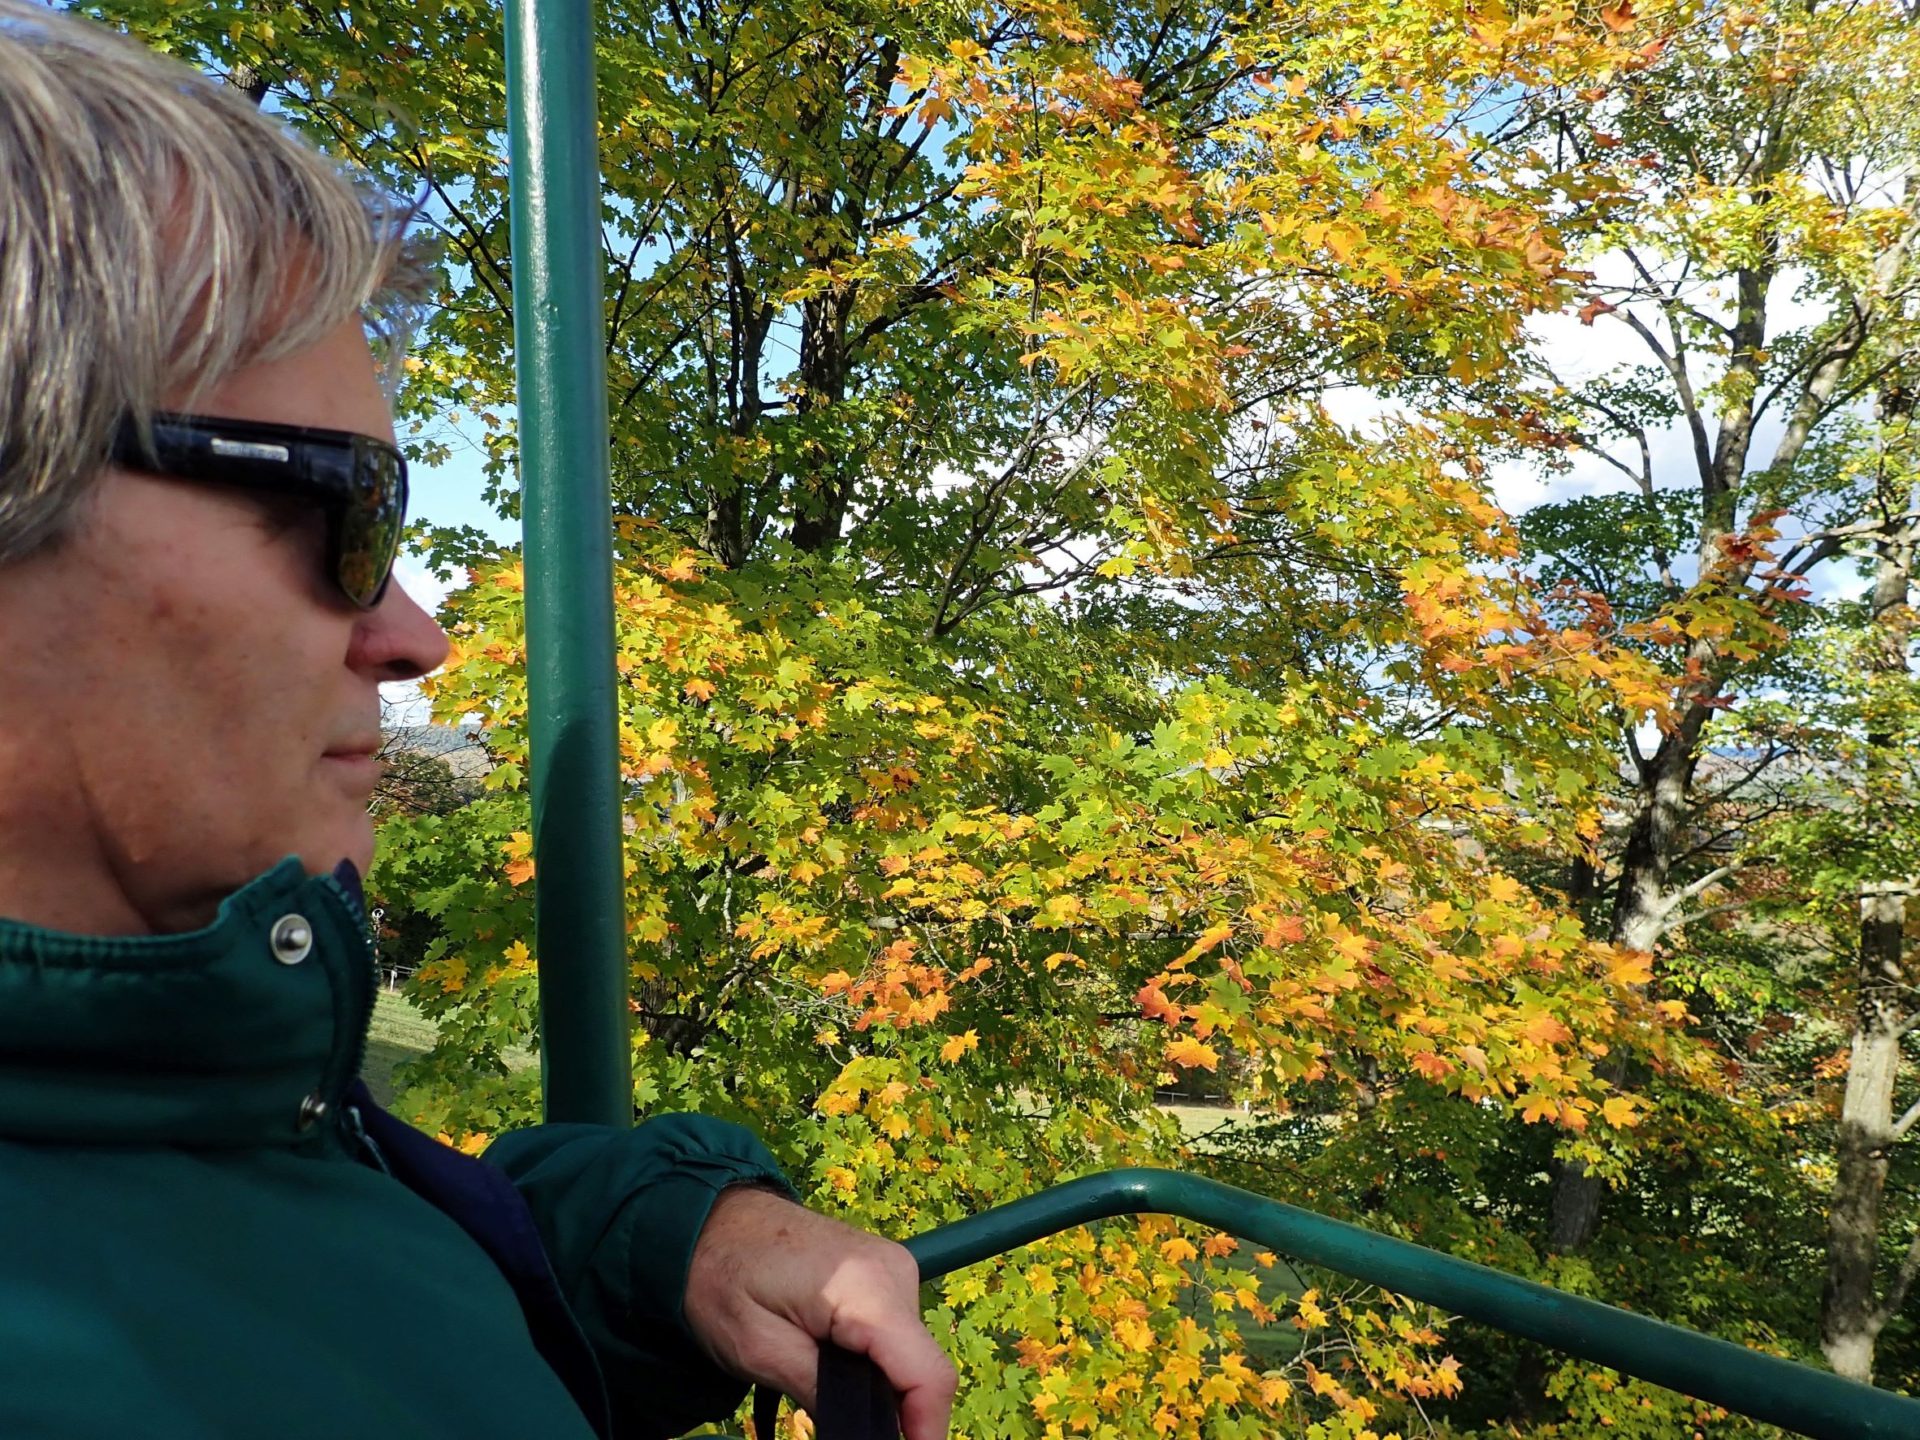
187 697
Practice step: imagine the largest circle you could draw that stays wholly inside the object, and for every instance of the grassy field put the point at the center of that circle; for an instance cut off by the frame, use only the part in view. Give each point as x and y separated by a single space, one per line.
399 1032
1198 1123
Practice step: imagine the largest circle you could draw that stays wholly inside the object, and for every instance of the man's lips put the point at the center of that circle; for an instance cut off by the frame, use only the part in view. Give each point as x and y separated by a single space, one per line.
357 760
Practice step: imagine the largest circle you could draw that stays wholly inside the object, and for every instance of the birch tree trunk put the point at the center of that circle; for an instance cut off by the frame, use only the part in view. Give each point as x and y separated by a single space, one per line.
1852 1311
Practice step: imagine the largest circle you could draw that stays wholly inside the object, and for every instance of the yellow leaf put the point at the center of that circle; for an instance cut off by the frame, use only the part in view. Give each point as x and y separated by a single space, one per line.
1538 1107
1219 1389
1209 939
1177 1250
1620 1111
959 1045
839 1102
1187 1053
1635 967
1311 1316
1502 889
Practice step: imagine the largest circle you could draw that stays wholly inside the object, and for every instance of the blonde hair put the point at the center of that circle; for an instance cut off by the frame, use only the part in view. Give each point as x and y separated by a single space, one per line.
157 233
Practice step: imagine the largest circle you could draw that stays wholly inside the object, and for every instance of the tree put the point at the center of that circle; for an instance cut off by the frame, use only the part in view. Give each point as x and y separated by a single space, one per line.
1029 687
1854 1309
1845 849
1766 264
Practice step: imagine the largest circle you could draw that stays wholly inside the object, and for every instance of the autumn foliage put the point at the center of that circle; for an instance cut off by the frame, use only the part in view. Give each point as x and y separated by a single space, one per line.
1069 650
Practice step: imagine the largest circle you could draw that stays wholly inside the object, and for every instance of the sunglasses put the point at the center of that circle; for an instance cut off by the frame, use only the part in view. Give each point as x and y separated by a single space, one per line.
360 482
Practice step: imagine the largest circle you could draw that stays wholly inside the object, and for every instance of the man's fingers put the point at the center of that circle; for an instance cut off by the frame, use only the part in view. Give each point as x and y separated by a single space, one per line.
876 1312
919 1372
770 1278
783 1356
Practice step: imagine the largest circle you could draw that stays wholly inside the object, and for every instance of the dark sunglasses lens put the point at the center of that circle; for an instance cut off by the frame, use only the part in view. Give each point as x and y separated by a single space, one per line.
371 525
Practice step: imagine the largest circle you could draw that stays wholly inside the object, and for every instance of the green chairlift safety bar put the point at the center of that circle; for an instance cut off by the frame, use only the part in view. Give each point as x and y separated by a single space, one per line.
581 922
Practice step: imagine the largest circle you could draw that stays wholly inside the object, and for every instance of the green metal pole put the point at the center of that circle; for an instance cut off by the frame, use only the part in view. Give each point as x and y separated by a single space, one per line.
560 370
1765 1387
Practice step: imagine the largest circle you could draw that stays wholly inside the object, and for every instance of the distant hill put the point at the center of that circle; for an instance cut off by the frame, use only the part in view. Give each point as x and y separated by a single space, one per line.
463 748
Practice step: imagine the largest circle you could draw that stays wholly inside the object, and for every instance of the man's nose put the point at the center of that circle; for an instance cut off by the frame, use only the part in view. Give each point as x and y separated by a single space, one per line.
397 640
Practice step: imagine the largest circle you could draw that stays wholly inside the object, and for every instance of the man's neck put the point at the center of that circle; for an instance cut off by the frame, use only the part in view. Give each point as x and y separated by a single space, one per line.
62 893
54 871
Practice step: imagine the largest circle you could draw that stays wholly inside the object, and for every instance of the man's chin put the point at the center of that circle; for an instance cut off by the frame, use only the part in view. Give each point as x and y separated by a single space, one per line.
352 843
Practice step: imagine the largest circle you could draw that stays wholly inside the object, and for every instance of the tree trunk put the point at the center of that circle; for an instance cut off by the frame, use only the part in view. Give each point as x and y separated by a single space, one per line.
822 482
823 474
249 82
1851 1316
1852 1312
1639 913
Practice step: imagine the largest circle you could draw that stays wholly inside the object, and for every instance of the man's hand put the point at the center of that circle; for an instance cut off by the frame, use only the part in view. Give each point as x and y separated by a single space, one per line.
771 1279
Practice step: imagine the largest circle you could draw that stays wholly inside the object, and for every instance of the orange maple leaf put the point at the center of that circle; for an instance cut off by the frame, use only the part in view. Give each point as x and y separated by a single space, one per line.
1618 17
1155 1005
1187 1053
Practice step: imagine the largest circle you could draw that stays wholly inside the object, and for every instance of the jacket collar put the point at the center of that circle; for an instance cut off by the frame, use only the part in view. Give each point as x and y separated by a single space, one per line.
245 1033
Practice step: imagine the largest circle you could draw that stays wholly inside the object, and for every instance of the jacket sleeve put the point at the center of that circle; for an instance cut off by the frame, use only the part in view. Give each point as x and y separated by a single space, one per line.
619 1212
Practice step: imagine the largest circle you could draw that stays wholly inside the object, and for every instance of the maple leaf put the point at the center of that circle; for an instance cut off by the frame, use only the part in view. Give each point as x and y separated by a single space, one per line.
1189 1054
1155 1005
1286 930
959 1045
1635 967
1309 1315
1618 16
1537 1107
1544 1030
698 689
1209 938
1620 1111
839 1102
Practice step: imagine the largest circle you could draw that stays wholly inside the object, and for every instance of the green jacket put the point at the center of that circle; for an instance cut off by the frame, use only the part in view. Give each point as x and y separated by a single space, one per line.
198 1238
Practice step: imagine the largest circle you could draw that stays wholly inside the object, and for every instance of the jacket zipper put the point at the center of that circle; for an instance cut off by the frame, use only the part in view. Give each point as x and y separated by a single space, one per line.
358 1131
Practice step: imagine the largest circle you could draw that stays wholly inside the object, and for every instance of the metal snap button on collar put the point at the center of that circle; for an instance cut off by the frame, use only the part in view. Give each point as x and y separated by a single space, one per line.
312 1111
292 939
